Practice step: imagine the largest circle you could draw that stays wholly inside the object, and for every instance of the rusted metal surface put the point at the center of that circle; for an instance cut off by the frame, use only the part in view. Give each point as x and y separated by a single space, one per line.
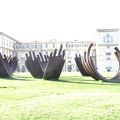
90 68
115 79
33 65
8 65
46 67
86 63
54 65
79 60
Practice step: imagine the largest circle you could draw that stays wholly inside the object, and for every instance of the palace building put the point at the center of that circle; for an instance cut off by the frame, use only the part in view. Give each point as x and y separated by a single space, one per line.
102 52
106 41
71 48
7 44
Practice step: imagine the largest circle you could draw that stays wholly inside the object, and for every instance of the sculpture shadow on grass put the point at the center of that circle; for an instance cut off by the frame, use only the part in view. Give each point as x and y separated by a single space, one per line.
86 82
17 79
8 87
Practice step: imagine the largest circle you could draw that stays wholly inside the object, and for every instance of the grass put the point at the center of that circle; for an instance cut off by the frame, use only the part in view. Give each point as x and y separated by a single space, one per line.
73 97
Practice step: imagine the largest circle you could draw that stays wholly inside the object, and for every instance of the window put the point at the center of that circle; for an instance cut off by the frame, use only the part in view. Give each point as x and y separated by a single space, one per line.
53 45
108 53
77 45
27 45
68 45
46 45
69 54
108 58
108 38
9 43
69 68
39 46
109 68
35 46
23 46
84 45
31 46
3 41
23 69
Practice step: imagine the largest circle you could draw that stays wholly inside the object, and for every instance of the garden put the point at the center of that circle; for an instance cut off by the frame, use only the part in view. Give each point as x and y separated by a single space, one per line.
72 97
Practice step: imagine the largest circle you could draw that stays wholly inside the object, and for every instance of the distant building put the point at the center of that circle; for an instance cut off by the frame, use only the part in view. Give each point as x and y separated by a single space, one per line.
45 48
107 40
7 44
76 47
102 52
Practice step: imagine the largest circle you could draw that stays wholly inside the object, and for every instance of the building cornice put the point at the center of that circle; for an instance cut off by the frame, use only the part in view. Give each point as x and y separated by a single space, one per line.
107 30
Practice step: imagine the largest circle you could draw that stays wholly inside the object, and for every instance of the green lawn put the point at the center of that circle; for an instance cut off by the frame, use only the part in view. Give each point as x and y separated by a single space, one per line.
71 98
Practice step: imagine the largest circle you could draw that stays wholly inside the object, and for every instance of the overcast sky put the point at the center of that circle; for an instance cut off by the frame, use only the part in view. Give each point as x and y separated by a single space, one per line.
31 20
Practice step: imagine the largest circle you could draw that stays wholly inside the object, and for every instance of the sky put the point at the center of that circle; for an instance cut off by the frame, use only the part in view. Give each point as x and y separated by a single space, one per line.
42 20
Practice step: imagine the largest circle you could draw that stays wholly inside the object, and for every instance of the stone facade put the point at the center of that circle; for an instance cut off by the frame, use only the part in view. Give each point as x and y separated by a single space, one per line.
107 40
103 50
71 49
7 44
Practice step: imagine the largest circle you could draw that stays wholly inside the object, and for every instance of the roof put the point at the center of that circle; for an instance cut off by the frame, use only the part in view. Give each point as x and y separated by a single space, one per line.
107 30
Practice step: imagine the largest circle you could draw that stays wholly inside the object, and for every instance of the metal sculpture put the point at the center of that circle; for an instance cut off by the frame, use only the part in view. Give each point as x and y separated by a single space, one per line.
46 67
78 60
54 65
89 67
96 75
33 65
8 65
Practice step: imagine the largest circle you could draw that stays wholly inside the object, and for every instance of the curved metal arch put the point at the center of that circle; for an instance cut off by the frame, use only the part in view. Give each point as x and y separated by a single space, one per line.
79 59
115 79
